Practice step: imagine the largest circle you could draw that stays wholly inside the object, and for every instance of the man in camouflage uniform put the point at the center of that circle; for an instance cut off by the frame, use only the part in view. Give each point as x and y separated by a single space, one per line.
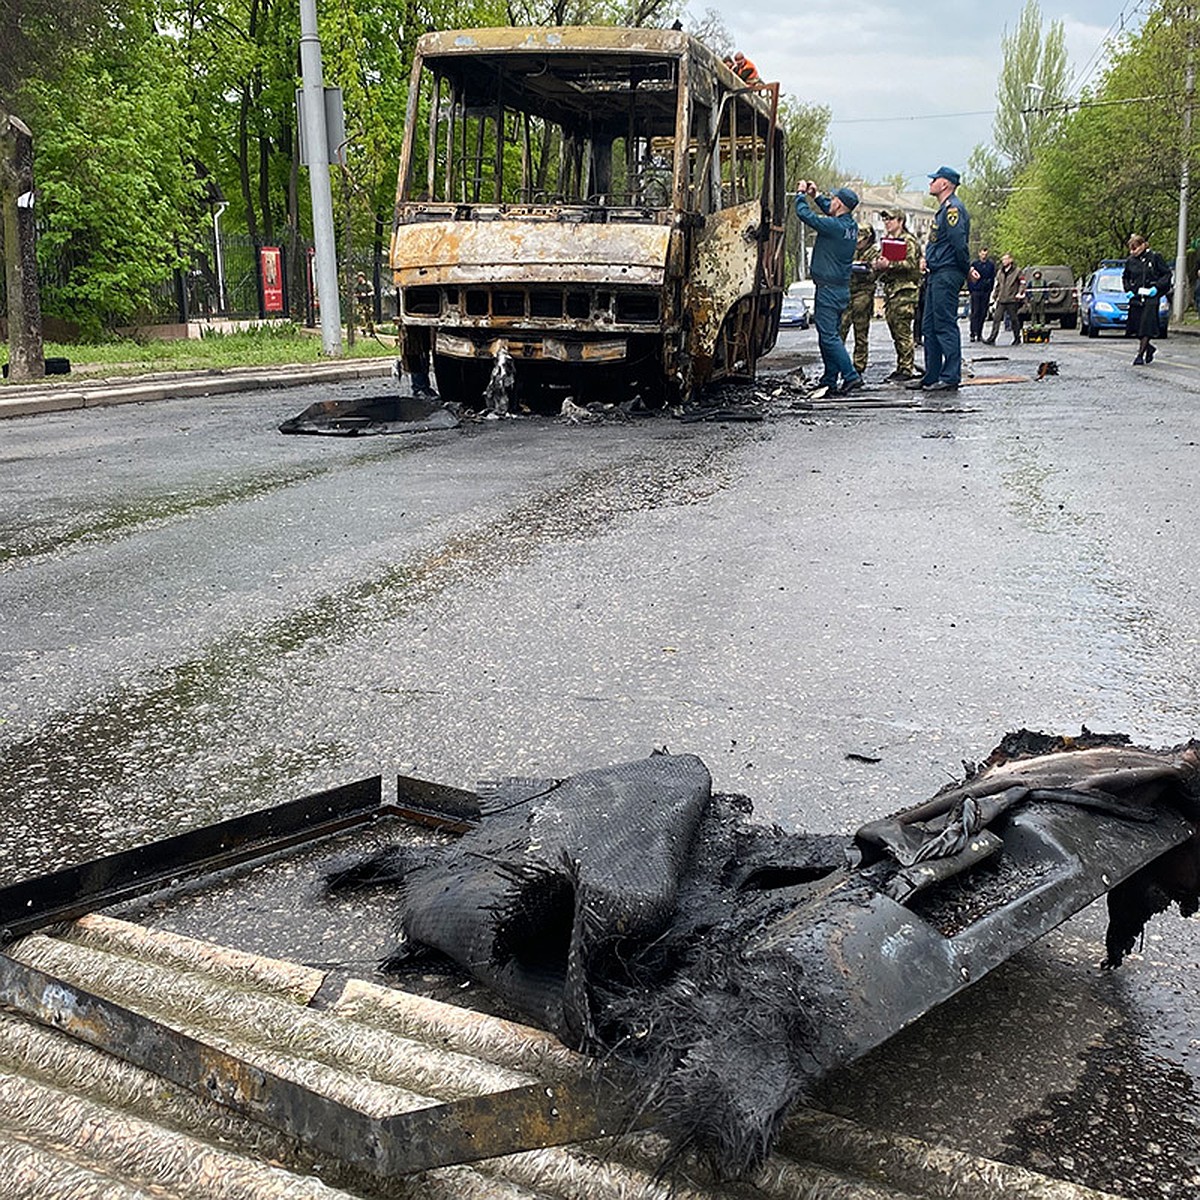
901 282
862 296
364 296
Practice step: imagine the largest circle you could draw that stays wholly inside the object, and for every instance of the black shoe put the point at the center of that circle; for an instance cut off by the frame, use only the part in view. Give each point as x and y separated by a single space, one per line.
940 385
1150 353
850 387
1016 341
1139 361
989 341
916 384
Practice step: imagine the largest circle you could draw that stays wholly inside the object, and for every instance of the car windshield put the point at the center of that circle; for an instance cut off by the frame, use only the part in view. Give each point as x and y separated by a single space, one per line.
1109 281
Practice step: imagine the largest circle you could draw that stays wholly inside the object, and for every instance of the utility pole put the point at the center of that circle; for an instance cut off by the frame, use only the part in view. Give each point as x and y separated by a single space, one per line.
317 136
1182 288
20 250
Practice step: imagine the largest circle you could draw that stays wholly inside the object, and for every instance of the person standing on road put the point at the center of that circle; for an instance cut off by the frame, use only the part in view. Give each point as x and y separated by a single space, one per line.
1037 292
980 279
832 253
862 296
1147 277
1010 291
364 298
901 284
947 260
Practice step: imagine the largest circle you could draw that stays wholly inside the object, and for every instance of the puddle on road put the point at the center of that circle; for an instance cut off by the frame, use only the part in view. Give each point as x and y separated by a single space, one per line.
182 746
29 536
1131 1125
1126 641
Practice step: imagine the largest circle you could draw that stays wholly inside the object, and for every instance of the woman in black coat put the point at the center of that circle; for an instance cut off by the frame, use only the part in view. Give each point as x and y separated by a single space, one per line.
1147 277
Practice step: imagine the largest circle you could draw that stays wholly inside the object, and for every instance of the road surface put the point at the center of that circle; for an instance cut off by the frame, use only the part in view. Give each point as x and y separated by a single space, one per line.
203 617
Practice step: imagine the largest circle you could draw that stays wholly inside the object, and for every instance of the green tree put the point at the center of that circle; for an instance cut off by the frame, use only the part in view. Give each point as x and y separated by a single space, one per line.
37 39
593 12
1030 93
1114 166
115 176
1031 88
806 155
987 186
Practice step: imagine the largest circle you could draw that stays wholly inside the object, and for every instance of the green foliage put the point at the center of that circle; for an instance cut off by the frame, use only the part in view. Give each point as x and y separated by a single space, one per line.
986 190
35 36
806 145
591 12
1115 165
116 188
1030 94
806 155
1031 88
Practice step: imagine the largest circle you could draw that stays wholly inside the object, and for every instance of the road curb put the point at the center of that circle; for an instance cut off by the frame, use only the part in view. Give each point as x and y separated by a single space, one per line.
23 400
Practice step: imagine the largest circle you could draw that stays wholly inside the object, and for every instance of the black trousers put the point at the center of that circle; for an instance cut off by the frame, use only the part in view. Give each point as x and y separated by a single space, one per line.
979 307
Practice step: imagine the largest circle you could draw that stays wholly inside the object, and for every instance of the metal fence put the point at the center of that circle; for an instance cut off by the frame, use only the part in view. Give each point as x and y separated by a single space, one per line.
224 280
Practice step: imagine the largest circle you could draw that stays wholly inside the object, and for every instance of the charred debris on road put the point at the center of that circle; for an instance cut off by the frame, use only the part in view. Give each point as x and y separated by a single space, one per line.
770 397
714 968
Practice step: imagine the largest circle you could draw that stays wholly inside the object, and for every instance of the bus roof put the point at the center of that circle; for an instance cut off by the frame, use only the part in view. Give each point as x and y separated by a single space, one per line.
613 41
547 39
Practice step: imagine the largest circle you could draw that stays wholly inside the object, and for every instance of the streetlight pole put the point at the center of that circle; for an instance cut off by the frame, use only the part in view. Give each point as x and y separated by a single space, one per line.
317 139
1181 239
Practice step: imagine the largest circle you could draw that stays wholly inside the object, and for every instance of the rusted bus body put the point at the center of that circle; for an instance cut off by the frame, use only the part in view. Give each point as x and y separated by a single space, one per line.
605 203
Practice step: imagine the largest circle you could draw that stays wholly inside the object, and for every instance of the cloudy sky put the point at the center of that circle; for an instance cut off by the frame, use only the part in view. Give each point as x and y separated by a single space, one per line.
893 73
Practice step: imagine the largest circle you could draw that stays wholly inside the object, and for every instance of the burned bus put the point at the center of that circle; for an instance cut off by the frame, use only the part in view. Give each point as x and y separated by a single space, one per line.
604 205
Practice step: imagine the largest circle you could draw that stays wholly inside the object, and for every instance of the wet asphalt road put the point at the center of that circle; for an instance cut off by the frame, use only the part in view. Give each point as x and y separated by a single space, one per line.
201 616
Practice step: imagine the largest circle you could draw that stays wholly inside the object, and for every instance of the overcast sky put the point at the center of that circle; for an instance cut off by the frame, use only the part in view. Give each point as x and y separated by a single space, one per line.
873 61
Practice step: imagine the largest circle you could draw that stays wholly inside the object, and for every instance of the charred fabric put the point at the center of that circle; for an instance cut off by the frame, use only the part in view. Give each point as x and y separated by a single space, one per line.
649 921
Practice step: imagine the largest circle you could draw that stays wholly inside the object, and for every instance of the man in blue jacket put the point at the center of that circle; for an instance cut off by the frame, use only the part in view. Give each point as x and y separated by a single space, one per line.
947 261
832 254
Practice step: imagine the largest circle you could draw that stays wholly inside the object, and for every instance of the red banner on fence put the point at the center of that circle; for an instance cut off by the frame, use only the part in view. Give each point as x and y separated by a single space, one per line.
272 278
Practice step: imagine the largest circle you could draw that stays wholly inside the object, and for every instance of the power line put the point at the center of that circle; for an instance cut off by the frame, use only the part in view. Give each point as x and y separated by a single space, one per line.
1130 10
1066 106
1063 106
988 112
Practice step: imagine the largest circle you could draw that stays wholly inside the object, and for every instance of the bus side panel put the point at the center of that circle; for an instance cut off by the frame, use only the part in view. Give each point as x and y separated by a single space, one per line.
724 268
459 252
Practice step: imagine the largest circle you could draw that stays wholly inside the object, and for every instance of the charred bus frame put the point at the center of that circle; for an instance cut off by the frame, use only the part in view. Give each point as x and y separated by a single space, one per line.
606 204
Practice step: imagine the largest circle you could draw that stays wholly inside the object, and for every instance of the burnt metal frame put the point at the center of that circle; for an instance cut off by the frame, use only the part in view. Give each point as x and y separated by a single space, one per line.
465 1130
876 963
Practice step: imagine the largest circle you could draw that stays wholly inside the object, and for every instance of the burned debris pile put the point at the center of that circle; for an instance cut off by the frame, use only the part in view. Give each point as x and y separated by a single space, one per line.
652 923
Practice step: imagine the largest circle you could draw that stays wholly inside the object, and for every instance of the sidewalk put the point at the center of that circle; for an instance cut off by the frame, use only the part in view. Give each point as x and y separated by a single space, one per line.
27 399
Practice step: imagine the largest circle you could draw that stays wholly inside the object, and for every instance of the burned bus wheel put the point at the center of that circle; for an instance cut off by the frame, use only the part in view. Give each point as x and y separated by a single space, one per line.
462 380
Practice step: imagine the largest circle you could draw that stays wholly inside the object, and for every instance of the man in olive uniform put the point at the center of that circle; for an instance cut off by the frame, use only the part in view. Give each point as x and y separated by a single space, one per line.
862 296
364 296
901 283
1037 292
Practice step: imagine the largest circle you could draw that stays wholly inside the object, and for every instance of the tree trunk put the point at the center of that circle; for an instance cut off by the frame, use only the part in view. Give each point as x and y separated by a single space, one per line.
26 355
